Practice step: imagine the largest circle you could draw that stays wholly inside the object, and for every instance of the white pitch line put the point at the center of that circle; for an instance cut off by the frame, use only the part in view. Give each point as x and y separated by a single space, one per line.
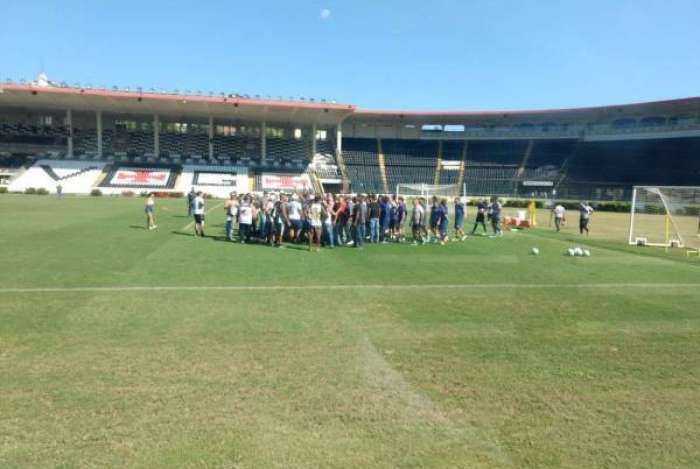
191 224
476 286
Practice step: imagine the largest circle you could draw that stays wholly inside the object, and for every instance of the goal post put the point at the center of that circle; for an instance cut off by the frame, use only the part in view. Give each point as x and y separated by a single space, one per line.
429 190
665 216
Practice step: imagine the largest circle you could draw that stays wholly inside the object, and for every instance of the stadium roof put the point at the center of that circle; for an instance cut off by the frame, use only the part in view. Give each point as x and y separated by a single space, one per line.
222 108
663 108
235 108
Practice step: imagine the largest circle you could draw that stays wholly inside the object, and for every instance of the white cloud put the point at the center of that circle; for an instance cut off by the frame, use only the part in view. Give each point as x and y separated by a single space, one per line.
325 14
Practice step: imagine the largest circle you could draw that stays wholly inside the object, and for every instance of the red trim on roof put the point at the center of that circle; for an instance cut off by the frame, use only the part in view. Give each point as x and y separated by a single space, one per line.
177 97
336 107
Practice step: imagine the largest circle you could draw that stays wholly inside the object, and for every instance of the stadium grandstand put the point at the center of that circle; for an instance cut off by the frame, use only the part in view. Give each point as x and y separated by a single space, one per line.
124 140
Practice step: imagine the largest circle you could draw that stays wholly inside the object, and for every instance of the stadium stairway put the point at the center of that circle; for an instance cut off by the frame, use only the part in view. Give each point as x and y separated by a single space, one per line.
382 166
526 157
315 183
438 165
564 166
460 179
105 171
49 170
75 177
344 178
178 179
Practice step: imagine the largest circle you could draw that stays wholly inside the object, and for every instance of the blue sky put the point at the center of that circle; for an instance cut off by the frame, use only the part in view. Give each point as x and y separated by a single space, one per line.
410 55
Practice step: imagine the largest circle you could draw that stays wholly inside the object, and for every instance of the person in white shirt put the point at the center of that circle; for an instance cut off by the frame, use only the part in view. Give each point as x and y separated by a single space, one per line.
198 214
294 214
245 219
418 221
315 212
559 213
231 210
585 210
150 216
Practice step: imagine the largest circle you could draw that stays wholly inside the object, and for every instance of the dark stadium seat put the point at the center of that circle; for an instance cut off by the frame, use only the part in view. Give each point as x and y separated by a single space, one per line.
409 161
362 164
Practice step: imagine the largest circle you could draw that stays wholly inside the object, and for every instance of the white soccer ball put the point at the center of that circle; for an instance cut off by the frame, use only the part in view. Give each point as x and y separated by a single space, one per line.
572 252
587 253
535 251
578 251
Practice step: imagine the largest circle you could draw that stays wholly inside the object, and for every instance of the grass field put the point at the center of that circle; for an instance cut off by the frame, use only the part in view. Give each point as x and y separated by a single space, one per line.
122 347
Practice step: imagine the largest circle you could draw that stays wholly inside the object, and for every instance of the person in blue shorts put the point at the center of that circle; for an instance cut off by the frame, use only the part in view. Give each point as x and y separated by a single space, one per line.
418 221
359 219
495 211
190 200
400 220
198 214
385 219
393 217
443 221
374 214
434 209
459 219
480 216
150 216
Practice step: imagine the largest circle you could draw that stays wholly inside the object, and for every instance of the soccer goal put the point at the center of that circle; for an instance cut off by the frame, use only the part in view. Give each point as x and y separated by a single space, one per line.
665 216
429 190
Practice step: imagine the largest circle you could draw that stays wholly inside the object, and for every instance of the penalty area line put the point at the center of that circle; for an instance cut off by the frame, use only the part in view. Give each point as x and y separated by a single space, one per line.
466 287
191 224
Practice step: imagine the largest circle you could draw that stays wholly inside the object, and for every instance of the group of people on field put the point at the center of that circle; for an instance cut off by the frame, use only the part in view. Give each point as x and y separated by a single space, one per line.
330 220
585 212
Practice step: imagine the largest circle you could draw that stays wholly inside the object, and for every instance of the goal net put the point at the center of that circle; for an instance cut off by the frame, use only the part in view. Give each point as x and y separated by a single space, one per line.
428 190
665 216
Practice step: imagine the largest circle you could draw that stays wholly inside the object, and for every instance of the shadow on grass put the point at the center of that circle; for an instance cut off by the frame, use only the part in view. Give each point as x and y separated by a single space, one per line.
137 227
297 247
182 233
252 244
223 238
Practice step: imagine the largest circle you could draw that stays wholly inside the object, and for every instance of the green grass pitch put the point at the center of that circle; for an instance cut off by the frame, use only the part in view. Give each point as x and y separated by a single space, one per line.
475 354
